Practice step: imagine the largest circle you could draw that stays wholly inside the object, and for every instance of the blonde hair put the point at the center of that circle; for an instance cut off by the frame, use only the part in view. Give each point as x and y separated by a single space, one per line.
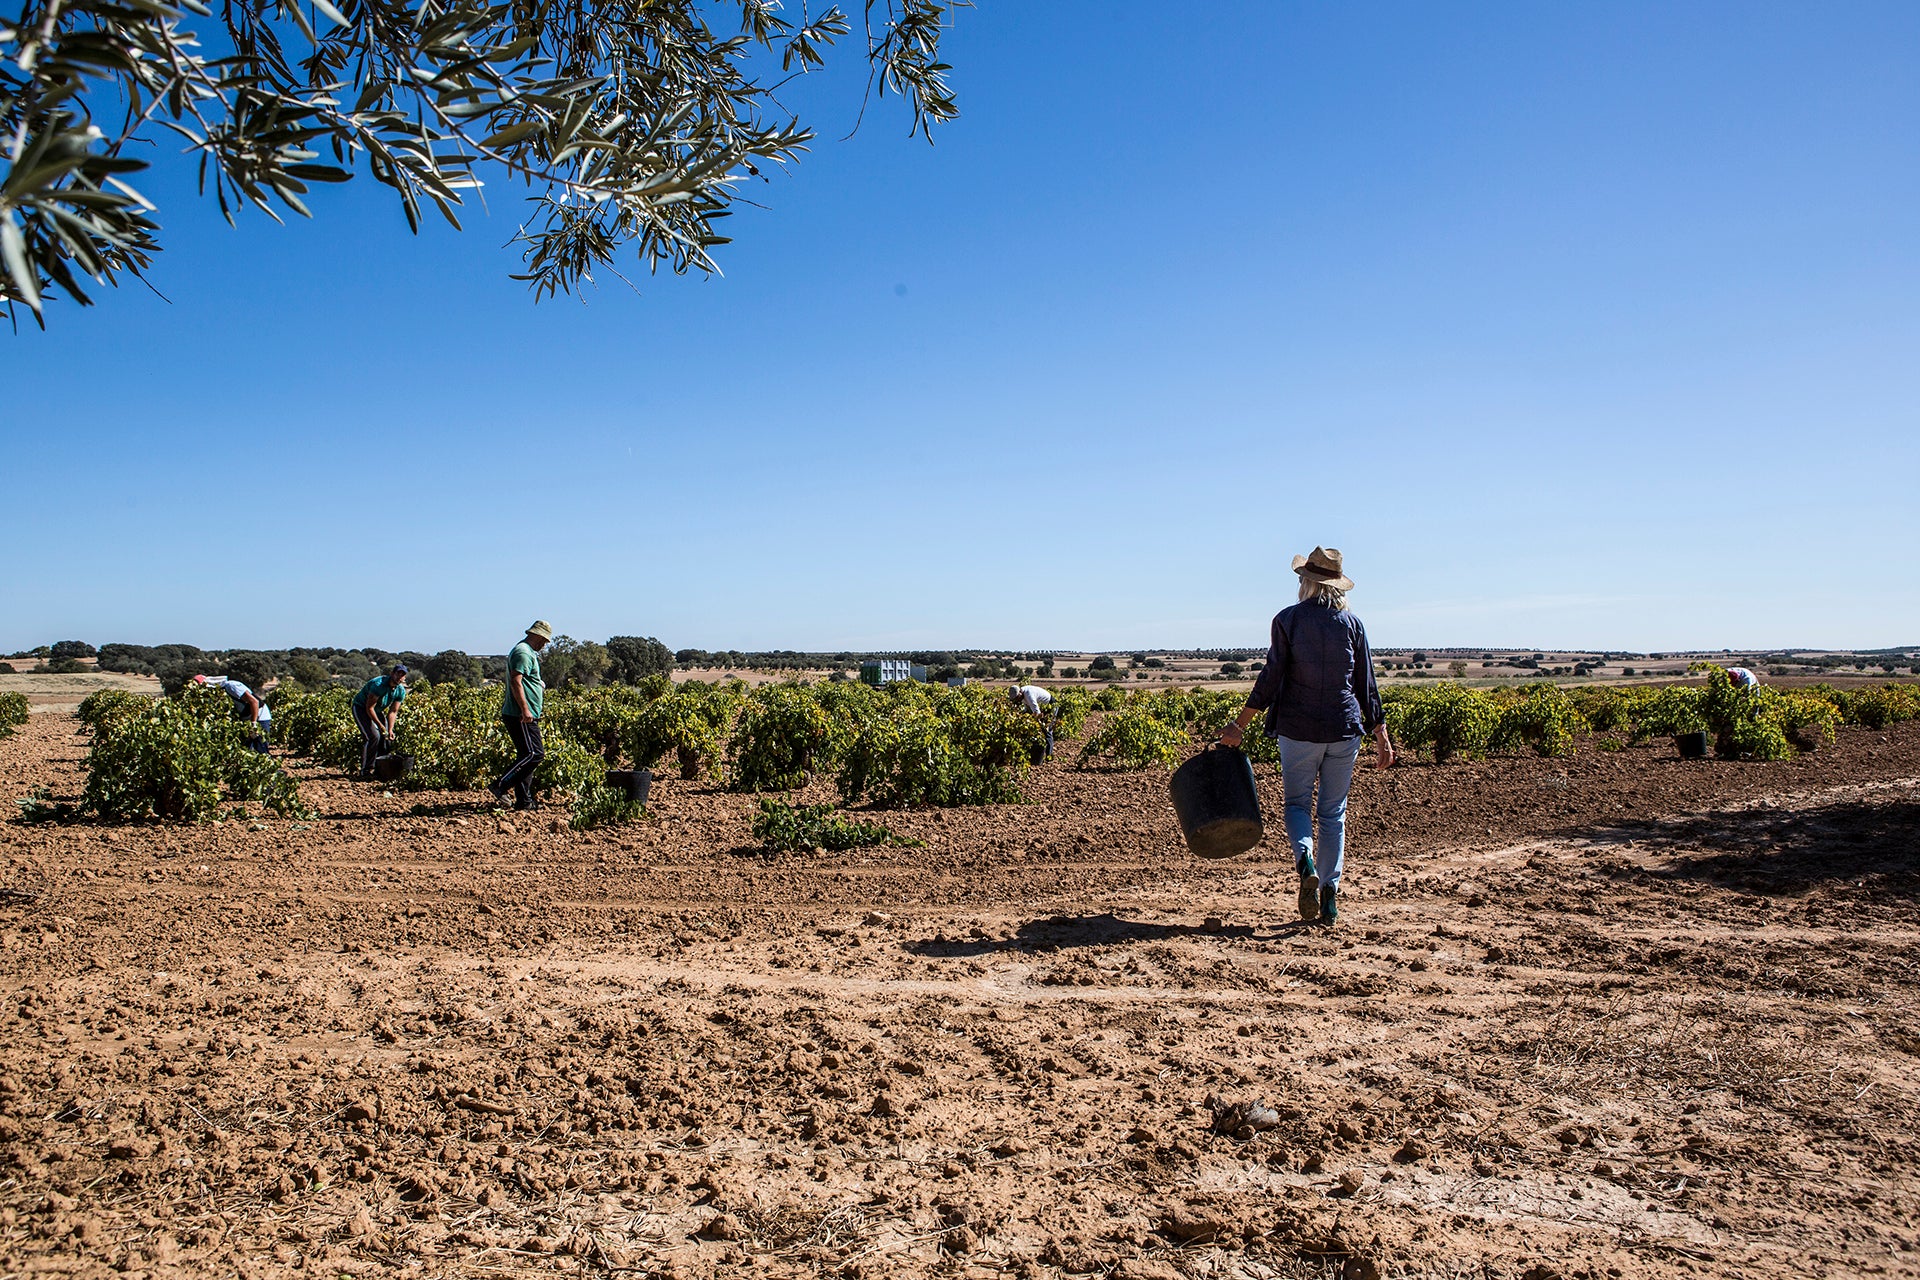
1325 593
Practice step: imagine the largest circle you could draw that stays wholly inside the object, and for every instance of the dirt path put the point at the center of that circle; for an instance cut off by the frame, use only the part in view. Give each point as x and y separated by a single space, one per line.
1619 1016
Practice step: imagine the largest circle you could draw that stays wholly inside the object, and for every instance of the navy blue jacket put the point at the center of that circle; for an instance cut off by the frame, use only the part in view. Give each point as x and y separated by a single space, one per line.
1318 684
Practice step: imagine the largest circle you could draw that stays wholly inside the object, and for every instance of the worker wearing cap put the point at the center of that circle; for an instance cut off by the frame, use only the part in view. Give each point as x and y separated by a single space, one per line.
1743 678
374 708
520 708
247 706
1038 703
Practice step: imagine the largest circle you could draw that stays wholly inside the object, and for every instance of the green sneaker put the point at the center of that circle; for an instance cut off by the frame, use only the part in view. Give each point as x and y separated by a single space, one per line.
1310 896
1330 904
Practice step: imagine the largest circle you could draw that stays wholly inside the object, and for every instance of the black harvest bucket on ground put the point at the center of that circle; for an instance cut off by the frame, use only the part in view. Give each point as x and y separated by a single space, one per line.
635 782
392 767
1693 746
1219 808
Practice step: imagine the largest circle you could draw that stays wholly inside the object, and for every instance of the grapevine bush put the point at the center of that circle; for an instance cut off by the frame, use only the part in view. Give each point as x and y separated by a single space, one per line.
301 719
1070 710
183 758
13 712
910 745
1667 712
691 722
1133 737
1542 718
1446 719
1876 708
782 735
106 705
603 718
784 828
454 734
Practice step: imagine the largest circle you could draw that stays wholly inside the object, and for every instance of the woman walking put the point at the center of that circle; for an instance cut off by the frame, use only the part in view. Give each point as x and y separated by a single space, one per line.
1318 692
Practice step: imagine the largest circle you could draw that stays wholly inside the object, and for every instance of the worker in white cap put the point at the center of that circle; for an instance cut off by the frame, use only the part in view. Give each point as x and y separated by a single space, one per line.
247 706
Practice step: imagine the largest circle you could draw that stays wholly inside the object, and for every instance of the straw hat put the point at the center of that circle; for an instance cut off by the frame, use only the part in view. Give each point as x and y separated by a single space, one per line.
543 629
1323 565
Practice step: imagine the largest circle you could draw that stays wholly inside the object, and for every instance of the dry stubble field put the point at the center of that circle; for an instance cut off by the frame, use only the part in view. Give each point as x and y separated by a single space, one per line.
1617 1016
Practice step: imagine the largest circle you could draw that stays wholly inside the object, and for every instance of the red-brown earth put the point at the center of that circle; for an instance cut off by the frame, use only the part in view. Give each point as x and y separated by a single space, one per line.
1620 1015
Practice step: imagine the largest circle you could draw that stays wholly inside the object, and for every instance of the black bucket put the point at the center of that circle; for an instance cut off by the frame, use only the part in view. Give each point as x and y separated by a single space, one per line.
635 782
392 767
1219 808
1693 746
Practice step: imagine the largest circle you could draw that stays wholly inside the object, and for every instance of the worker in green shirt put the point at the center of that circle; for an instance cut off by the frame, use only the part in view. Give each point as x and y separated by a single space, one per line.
373 710
520 709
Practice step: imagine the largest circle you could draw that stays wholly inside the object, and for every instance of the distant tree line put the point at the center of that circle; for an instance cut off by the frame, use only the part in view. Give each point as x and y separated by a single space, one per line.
621 660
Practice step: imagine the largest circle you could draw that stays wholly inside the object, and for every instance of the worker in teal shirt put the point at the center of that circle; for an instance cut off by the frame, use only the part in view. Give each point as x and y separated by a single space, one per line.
520 707
373 710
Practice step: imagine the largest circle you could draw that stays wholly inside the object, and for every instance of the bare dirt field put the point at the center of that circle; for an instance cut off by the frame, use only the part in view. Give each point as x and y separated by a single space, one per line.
45 692
1619 1016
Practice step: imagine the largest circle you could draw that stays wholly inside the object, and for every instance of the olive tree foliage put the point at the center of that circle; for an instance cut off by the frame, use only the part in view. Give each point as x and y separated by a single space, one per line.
630 122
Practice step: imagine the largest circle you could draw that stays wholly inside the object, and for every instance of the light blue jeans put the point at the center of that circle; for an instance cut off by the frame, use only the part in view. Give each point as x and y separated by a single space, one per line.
1331 765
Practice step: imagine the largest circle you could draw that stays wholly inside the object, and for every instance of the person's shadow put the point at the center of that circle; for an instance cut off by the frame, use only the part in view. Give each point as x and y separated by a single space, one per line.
1056 933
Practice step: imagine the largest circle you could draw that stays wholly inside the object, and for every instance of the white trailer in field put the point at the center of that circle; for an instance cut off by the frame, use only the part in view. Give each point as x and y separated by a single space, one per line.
888 670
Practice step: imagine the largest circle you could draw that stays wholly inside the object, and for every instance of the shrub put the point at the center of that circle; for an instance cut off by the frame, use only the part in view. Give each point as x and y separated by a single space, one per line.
1070 710
1744 722
1543 718
1604 708
13 712
1807 719
1446 719
1135 738
576 774
1668 712
783 828
455 736
599 718
175 758
691 721
782 735
938 747
102 706
71 649
1101 662
301 719
1882 705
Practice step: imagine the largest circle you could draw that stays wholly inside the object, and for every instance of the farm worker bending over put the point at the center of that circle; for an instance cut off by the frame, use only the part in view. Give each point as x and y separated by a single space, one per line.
1318 692
520 708
1743 678
245 707
1039 705
373 710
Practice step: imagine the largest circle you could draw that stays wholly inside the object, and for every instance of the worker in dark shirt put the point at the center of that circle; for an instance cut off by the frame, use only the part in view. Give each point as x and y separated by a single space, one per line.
1320 700
374 708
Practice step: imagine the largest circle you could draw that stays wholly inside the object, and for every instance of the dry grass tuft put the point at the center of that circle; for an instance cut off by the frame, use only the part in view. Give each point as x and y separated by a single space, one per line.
1580 1049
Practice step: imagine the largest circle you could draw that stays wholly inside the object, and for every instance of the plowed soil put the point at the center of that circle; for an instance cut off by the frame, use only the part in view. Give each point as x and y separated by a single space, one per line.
1616 1016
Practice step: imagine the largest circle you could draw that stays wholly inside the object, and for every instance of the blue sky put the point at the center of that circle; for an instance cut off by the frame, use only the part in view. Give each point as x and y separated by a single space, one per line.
1571 325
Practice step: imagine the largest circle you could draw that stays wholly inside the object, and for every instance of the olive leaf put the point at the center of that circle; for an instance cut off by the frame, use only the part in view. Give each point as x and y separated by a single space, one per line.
630 122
